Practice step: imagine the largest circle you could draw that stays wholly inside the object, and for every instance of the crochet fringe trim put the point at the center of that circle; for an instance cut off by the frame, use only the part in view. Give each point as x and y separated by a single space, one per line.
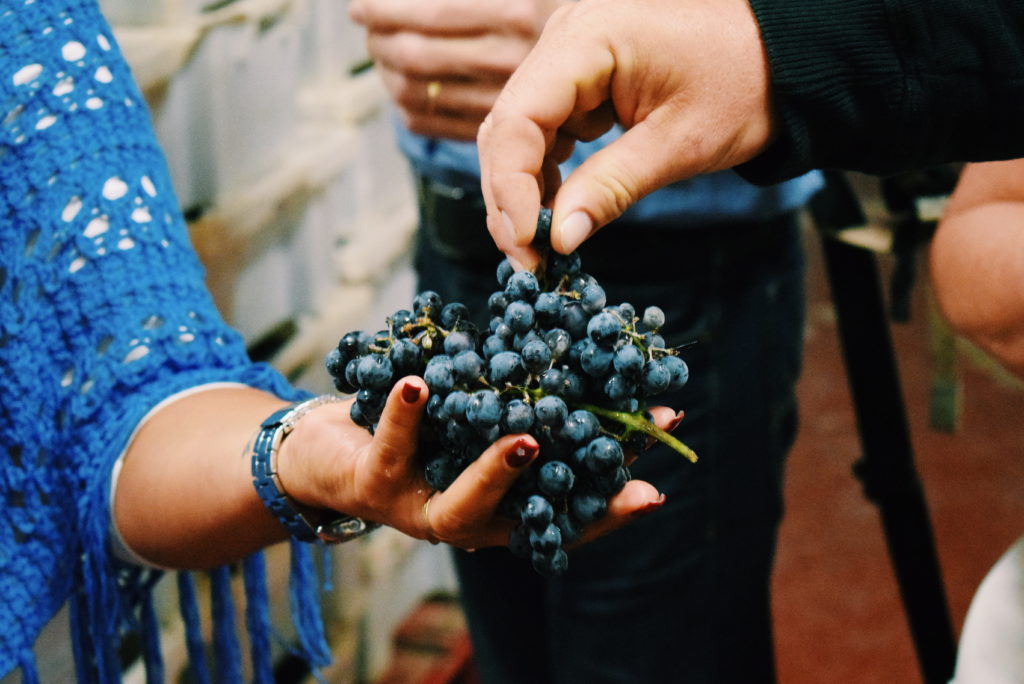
96 637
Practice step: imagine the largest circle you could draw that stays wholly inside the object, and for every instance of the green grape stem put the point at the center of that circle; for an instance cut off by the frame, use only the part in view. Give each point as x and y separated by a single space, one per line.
635 422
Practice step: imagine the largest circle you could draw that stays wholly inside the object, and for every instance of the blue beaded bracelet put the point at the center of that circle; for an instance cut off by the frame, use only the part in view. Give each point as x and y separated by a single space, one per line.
265 448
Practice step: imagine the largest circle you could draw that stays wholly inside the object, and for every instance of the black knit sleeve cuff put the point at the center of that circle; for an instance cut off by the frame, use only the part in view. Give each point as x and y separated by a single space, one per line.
834 69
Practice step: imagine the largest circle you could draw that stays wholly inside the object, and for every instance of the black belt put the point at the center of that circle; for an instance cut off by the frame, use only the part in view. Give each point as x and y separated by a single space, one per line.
453 219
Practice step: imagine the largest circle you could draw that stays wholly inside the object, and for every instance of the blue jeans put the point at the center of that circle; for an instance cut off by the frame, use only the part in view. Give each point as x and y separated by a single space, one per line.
681 595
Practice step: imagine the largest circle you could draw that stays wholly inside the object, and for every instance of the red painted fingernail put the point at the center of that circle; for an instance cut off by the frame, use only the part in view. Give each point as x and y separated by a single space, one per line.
649 507
674 423
522 453
410 393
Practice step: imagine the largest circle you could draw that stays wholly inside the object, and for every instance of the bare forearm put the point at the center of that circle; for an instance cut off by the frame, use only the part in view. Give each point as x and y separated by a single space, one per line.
185 496
978 260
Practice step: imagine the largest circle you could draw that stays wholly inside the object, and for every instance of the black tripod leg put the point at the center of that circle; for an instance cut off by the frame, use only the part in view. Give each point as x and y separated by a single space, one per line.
887 465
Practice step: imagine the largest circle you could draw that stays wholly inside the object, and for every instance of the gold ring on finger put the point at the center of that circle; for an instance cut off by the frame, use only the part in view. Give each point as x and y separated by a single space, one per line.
433 91
426 519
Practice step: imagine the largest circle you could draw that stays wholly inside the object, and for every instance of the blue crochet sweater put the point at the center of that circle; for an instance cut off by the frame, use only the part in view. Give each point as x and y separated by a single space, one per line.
103 313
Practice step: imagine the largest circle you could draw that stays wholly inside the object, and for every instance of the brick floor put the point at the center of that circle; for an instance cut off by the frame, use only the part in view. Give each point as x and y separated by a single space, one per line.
431 646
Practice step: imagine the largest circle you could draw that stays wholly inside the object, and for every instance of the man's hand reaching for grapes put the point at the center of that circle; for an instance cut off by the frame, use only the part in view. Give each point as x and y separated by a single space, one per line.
689 80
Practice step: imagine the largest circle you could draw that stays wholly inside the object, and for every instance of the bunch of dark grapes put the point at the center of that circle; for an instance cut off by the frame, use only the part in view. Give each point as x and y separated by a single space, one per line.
557 362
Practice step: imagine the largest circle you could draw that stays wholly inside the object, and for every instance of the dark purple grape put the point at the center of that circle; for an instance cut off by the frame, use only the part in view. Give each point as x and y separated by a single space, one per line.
435 409
578 460
542 233
629 361
357 416
400 319
335 362
522 339
519 316
459 434
452 314
468 366
495 344
522 286
440 375
654 341
558 341
496 303
519 541
653 318
593 298
631 405
405 357
352 373
596 360
488 436
548 309
550 411
370 398
553 448
604 329
374 372
574 320
440 472
679 370
536 355
626 312
504 272
656 377
569 527
552 381
603 455
611 483
354 344
560 265
506 368
517 416
555 479
427 303
537 513
456 342
574 387
550 564
546 541
587 507
483 409
580 427
579 282
455 405
575 354
618 387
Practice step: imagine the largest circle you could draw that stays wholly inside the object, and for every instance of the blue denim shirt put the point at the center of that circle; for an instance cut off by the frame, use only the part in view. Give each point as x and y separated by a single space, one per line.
718 197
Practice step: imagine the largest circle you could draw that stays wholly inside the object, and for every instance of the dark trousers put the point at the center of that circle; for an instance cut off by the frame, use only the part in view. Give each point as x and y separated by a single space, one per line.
681 595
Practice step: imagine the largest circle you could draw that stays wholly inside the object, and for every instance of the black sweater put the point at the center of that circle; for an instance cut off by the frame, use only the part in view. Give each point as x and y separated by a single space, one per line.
882 86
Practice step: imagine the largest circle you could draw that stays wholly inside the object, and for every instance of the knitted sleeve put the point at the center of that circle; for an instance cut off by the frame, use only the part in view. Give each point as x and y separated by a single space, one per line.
103 312
883 86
